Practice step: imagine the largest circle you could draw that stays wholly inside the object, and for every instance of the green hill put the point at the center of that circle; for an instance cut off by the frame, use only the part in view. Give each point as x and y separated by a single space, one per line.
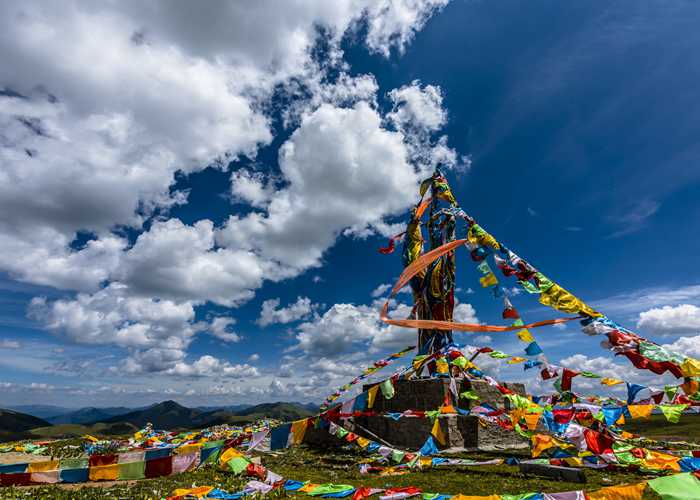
76 430
14 425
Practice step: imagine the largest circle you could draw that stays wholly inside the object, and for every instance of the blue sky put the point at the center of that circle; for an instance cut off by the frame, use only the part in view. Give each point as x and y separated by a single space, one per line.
198 216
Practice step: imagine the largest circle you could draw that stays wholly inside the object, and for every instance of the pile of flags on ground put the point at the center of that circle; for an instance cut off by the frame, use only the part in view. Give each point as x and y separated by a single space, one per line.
684 486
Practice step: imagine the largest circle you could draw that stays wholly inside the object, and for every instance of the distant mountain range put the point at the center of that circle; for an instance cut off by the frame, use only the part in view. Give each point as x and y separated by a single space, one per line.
121 420
88 415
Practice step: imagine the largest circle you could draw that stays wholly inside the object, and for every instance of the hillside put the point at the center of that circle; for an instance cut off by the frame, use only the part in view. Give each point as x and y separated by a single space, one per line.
280 410
88 415
165 415
13 424
77 430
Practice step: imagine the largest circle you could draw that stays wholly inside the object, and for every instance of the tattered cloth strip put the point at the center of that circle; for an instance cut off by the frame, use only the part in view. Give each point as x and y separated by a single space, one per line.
678 487
376 366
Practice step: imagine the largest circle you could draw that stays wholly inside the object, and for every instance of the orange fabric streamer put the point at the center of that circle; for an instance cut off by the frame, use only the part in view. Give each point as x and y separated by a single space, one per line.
421 263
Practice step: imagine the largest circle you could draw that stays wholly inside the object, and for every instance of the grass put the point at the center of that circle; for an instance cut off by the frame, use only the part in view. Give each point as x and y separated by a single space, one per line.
338 466
77 430
656 427
341 466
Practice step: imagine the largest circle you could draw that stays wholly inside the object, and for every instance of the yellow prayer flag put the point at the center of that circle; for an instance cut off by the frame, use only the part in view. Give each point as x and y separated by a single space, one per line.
363 442
662 461
471 497
104 472
448 409
199 492
640 411
628 492
298 430
49 465
525 335
691 367
531 420
516 359
611 381
228 455
621 420
308 487
441 366
488 280
438 433
540 443
372 395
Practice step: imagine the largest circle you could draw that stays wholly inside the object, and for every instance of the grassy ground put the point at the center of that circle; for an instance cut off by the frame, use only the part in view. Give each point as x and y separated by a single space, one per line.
338 466
687 429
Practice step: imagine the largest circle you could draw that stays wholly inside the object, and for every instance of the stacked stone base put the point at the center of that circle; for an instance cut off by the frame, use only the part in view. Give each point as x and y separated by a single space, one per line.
462 432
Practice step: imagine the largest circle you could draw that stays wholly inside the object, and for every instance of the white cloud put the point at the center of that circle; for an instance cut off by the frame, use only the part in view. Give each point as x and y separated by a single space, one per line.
221 329
381 290
9 344
332 164
251 187
417 107
646 298
111 316
465 313
180 262
254 357
271 313
119 98
689 346
209 366
667 320
418 113
394 22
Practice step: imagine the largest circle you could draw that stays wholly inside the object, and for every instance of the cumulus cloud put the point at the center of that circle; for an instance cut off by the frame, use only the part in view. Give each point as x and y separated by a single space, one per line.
418 113
209 366
381 290
344 170
103 106
271 313
689 346
394 23
221 328
668 320
180 262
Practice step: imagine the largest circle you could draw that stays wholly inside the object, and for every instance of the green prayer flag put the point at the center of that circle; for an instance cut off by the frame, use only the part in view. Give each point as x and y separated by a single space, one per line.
328 489
683 486
529 287
670 391
483 267
461 361
498 355
432 414
387 388
627 458
590 375
518 322
132 470
397 455
469 395
237 464
672 412
73 463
